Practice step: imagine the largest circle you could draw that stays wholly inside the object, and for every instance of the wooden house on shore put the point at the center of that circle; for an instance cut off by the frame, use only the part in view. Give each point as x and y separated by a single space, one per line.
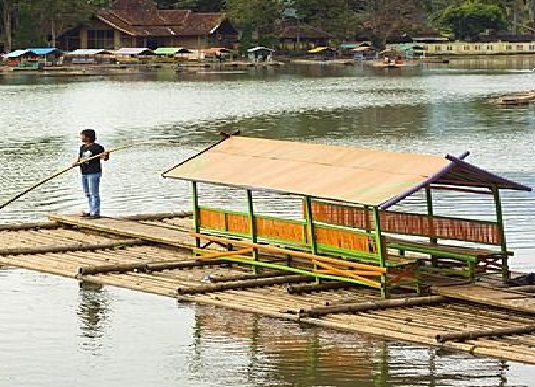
139 23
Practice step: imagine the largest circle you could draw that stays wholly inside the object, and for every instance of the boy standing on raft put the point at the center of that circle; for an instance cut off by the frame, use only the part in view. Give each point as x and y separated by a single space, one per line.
91 170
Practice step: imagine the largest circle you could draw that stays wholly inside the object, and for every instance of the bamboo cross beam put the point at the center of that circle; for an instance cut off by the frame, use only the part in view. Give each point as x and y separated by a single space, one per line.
371 305
71 247
477 334
299 254
245 284
324 286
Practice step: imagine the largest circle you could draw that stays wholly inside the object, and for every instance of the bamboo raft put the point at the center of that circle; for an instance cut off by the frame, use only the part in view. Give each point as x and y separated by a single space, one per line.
128 253
515 99
348 261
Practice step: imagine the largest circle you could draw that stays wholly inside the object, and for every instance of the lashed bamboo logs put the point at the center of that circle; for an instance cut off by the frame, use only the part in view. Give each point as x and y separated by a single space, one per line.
372 305
245 284
29 226
477 334
103 269
71 247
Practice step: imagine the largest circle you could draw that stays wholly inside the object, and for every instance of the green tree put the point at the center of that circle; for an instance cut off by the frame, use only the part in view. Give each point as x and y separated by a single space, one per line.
257 15
470 18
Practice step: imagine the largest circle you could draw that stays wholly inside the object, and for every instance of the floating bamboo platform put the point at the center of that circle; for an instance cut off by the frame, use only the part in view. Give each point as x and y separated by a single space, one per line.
515 99
153 254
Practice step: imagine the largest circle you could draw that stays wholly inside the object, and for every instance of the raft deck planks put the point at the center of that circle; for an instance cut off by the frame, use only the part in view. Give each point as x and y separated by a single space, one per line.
418 324
506 298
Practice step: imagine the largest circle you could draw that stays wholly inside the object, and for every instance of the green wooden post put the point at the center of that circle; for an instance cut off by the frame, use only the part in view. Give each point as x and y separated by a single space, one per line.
310 225
196 219
380 250
310 229
252 224
501 230
430 213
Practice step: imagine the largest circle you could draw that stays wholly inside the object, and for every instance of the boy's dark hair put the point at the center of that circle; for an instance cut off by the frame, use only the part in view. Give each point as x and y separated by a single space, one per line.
90 134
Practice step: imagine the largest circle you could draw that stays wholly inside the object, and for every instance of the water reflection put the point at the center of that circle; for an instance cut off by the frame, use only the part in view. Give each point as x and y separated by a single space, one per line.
93 314
285 354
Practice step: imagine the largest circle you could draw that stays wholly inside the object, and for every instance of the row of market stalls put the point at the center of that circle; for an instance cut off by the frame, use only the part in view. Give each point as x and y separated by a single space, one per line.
40 57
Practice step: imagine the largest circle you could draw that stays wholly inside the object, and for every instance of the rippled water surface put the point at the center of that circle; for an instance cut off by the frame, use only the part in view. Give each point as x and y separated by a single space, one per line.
52 333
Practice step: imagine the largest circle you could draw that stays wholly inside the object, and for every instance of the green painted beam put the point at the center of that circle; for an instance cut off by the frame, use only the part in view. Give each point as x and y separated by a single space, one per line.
196 219
501 228
252 223
381 250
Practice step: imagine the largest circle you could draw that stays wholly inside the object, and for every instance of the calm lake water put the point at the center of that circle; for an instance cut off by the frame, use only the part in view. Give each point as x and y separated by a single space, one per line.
53 333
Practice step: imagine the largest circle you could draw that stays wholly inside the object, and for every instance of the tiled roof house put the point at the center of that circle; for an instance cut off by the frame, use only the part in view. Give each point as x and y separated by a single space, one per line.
139 23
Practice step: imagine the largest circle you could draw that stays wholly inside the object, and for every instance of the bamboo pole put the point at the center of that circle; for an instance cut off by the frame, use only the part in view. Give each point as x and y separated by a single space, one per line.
298 254
237 285
476 334
161 266
29 226
104 269
61 172
248 276
372 305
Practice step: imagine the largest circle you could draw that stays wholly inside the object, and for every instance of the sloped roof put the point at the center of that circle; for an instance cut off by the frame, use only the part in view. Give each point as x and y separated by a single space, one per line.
44 51
133 51
89 52
143 18
355 175
171 51
17 54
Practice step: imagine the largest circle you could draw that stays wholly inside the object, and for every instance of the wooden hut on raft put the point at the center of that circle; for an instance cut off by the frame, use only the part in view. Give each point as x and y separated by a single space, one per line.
345 228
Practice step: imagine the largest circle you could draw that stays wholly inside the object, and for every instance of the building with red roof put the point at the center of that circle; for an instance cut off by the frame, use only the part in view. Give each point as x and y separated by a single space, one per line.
139 23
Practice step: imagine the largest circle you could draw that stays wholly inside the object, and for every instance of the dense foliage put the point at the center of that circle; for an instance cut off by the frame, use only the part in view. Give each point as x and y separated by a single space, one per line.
469 19
33 23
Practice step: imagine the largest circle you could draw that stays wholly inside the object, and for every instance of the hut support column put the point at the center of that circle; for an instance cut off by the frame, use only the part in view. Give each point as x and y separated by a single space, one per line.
430 213
380 250
501 230
310 228
252 224
196 218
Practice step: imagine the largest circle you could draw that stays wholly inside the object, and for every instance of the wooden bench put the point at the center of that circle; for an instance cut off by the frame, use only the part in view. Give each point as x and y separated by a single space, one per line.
473 260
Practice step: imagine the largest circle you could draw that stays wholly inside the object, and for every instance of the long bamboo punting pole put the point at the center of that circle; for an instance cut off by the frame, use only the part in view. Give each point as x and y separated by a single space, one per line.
61 172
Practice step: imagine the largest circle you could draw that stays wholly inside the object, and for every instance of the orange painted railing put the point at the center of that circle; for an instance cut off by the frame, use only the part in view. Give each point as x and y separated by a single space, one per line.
285 230
409 224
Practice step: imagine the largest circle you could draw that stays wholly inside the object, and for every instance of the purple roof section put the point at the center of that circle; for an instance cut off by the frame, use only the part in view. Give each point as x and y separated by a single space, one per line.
459 172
